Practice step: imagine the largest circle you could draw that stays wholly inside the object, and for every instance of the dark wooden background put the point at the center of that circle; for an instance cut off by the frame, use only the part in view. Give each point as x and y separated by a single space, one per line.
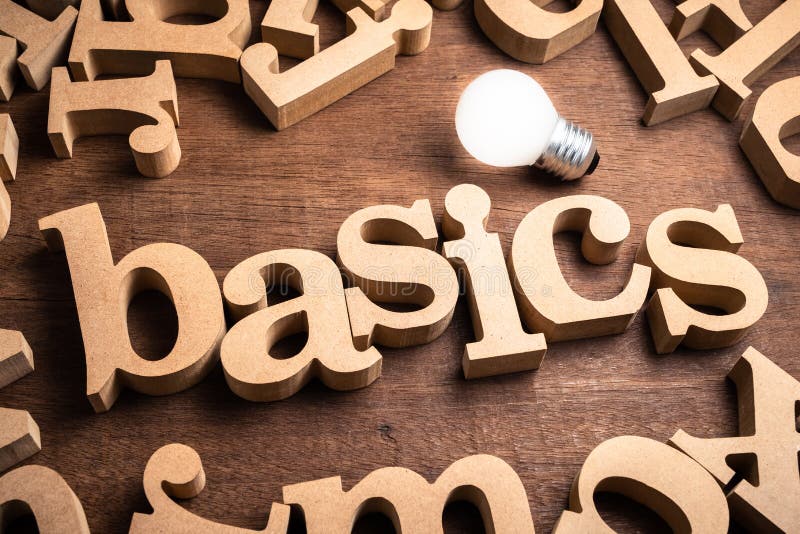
242 188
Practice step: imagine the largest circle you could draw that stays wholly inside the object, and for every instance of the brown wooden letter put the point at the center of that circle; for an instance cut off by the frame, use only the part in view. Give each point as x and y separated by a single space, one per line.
409 271
367 52
693 256
547 302
723 20
775 117
321 311
759 469
146 108
45 42
501 345
675 88
653 474
413 505
9 152
287 24
196 51
103 292
747 59
19 433
176 471
526 31
8 67
41 492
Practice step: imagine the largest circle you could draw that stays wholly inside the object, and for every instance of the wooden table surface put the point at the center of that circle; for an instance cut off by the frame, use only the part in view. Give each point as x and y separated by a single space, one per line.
242 188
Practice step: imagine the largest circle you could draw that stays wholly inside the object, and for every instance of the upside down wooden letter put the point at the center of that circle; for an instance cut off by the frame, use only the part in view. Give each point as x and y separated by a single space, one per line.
703 270
747 59
196 51
501 346
547 302
320 311
760 468
367 52
680 491
775 117
41 492
407 271
9 152
103 293
675 89
19 433
176 471
146 108
45 42
527 32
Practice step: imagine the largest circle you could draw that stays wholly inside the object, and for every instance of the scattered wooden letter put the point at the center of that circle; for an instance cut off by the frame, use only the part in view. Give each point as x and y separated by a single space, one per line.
759 469
653 474
775 117
19 433
196 51
674 87
367 52
693 256
320 310
103 293
747 59
723 20
146 108
8 67
413 504
407 271
41 492
50 9
176 470
45 42
547 302
9 152
526 31
287 24
501 345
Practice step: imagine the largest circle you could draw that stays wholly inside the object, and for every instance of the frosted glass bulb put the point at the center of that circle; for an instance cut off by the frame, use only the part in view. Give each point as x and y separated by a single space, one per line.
504 118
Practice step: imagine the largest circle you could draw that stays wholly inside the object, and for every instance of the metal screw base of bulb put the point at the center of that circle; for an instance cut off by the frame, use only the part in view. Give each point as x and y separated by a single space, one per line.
570 153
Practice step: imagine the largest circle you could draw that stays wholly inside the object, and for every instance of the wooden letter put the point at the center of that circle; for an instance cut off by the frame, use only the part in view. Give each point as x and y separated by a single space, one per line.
759 469
8 67
547 302
403 272
367 52
412 504
45 42
655 475
747 59
19 433
321 311
675 88
723 20
50 9
103 292
502 345
147 108
527 32
176 471
775 117
287 24
41 492
196 51
693 256
9 152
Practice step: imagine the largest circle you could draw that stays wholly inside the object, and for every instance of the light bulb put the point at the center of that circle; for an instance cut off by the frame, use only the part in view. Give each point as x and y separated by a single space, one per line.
504 118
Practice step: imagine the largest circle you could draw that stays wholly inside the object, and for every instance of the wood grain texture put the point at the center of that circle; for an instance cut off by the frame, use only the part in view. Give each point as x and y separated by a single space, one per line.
242 188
